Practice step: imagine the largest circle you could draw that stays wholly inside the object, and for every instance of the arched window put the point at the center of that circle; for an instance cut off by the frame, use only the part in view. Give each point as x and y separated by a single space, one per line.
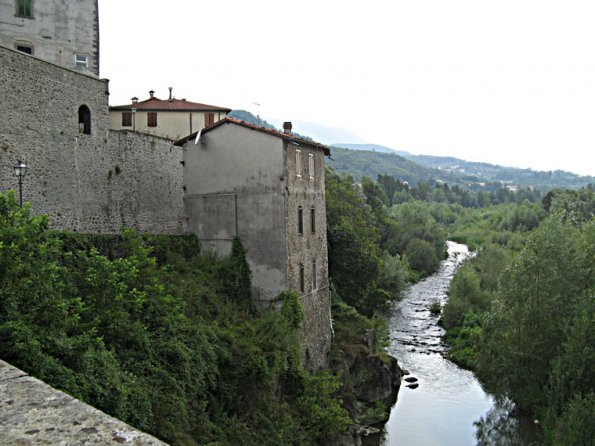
84 120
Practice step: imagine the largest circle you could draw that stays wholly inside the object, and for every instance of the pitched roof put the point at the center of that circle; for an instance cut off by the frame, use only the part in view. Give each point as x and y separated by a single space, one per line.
156 104
227 120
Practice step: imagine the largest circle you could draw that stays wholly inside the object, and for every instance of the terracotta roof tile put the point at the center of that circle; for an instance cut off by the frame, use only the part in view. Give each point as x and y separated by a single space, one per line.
274 132
156 104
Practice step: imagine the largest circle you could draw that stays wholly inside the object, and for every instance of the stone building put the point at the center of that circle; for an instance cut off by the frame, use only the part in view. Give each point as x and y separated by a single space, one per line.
65 33
171 118
267 188
86 177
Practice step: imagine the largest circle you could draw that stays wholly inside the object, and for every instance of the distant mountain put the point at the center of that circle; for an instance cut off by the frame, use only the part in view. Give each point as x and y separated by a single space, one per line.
416 168
361 163
481 172
368 147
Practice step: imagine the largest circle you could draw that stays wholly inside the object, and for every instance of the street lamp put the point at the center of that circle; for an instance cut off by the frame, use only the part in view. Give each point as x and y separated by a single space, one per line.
20 170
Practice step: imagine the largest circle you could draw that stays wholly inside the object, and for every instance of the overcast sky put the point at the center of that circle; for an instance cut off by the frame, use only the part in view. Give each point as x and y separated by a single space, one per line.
510 82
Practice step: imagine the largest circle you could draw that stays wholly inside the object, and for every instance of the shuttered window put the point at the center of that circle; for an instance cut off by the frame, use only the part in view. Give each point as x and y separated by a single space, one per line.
311 165
209 119
152 119
126 119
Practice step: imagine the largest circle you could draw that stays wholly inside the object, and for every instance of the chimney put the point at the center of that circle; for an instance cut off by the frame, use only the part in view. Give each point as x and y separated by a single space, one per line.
134 100
170 95
287 127
152 93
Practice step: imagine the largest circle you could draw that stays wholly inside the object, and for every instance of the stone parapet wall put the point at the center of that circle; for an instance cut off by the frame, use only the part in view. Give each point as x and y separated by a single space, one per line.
33 413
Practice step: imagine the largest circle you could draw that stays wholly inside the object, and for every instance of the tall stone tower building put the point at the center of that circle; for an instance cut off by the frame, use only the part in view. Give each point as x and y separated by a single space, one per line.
62 32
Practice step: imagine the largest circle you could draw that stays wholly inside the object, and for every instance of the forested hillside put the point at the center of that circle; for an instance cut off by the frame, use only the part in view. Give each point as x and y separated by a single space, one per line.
368 160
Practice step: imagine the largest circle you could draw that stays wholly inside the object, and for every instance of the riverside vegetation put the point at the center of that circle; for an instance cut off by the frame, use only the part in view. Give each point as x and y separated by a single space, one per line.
521 313
155 333
151 331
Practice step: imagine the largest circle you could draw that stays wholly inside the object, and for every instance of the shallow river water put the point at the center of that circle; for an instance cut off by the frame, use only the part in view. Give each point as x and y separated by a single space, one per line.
442 410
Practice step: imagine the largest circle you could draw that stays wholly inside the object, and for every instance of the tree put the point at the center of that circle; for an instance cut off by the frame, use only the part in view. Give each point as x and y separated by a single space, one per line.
354 255
539 293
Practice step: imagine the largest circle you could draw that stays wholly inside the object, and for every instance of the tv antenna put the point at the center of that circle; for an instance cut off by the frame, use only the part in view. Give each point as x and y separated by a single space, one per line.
257 109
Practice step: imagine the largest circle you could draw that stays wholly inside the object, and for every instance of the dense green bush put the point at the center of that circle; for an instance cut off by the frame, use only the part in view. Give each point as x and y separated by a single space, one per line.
154 333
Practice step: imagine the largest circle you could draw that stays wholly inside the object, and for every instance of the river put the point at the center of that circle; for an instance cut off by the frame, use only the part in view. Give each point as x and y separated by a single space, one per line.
447 403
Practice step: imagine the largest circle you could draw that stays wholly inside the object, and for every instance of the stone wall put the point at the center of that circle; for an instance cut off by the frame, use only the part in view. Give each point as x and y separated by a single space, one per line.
33 413
305 191
97 182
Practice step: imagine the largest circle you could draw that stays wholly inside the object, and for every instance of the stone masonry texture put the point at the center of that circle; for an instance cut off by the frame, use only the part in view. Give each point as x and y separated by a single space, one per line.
94 183
33 413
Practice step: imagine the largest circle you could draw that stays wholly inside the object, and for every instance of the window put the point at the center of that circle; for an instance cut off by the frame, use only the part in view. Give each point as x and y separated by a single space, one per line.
302 279
313 219
152 119
209 119
84 120
81 61
311 165
298 163
126 119
314 284
24 48
300 221
24 8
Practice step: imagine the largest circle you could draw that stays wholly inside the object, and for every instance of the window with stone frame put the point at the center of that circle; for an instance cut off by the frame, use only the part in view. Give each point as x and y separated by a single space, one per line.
313 219
314 276
81 61
24 8
24 48
302 279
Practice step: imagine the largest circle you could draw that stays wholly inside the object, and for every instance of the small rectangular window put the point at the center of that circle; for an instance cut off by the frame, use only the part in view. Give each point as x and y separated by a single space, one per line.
152 119
313 219
24 48
126 119
311 165
314 284
302 279
81 61
300 220
209 119
24 8
298 163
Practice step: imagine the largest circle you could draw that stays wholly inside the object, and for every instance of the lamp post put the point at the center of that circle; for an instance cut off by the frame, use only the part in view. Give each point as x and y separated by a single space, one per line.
20 170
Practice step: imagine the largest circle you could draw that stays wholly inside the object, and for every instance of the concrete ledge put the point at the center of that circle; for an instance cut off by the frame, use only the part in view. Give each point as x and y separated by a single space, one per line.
33 413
